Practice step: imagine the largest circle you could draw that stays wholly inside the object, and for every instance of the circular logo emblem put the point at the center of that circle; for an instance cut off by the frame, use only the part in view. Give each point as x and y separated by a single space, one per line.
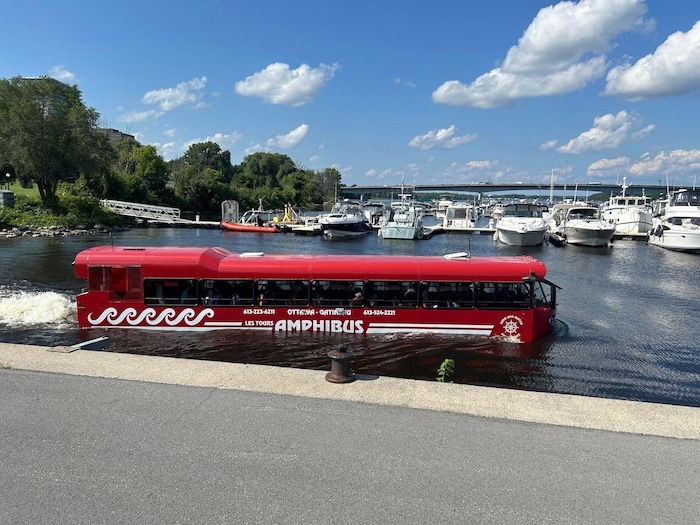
511 324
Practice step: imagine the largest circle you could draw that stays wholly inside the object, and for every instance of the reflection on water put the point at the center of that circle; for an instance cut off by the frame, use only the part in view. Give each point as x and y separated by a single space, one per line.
627 316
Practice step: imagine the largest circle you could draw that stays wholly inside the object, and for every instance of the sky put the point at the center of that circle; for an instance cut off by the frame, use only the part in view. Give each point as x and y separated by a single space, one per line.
439 92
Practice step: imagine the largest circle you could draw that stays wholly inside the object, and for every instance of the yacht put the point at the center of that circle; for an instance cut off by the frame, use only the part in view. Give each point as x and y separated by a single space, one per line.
346 219
580 224
405 221
676 224
521 225
374 212
459 216
630 214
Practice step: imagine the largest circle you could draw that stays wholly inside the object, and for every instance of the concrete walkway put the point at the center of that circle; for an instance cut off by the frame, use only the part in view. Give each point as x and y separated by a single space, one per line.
534 407
103 437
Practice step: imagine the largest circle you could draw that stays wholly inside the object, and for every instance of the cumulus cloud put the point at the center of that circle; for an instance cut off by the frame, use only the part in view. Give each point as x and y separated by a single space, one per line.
672 162
290 140
278 84
224 140
673 69
139 116
608 131
61 73
170 98
605 166
441 138
561 51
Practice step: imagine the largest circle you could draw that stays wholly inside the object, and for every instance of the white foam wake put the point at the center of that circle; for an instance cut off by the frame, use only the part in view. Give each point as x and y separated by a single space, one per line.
37 309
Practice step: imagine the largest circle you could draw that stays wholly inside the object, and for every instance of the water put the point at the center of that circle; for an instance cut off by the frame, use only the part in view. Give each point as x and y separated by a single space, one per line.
627 316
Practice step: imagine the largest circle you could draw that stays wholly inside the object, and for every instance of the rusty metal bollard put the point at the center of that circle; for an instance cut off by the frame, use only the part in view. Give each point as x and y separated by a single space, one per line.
340 365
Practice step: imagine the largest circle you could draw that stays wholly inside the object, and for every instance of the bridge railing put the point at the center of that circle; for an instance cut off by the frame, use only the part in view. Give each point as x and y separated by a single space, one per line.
142 211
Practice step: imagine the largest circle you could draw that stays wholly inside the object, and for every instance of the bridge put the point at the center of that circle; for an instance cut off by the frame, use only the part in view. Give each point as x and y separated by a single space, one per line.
485 188
143 211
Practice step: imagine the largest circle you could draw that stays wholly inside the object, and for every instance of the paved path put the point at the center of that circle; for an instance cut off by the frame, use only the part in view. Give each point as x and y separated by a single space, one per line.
102 437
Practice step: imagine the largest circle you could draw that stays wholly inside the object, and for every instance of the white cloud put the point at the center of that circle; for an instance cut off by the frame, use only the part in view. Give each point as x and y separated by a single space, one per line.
673 69
139 116
170 98
404 82
608 131
290 140
278 84
171 132
225 141
560 52
604 166
167 150
549 145
681 162
61 73
442 138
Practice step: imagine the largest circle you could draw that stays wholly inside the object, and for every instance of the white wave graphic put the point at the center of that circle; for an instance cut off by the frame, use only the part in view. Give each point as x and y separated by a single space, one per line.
37 309
151 317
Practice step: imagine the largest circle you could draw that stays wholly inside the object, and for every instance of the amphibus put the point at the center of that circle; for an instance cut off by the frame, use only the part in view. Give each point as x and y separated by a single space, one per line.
209 288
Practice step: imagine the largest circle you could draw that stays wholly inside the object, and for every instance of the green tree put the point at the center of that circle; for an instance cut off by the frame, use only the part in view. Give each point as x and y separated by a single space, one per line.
48 134
329 180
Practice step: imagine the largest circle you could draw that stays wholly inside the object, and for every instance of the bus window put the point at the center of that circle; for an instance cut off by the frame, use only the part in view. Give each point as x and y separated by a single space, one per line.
543 294
338 293
283 292
454 294
170 291
394 294
227 292
503 296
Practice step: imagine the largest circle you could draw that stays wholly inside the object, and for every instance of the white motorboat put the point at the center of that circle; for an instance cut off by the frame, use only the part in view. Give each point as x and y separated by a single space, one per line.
630 214
374 211
677 225
521 225
459 216
405 222
346 219
580 224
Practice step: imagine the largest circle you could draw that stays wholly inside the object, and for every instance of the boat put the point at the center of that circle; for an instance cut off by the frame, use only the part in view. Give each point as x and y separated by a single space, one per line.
346 219
676 224
405 221
374 211
459 216
496 210
521 225
631 214
253 220
210 288
580 223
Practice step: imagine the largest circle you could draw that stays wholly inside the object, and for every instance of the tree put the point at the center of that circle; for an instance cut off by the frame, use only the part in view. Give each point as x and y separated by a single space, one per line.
329 180
48 134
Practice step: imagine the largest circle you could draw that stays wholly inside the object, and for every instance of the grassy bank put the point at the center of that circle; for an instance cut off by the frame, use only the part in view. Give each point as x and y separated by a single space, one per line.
68 211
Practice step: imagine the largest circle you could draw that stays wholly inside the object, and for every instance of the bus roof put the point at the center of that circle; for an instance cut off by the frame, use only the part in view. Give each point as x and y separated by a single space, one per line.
213 263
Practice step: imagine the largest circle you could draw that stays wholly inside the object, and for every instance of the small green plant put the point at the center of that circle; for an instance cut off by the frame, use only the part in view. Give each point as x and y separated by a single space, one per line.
445 370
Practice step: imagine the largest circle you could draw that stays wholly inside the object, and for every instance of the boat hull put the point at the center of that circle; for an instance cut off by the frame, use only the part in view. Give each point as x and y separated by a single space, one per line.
630 221
587 236
339 230
675 238
251 228
521 237
398 231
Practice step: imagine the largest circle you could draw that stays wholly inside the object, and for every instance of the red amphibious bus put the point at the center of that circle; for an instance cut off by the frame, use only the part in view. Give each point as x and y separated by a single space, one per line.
178 288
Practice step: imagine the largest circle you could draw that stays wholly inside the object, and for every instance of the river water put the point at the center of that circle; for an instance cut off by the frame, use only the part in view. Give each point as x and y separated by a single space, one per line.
628 316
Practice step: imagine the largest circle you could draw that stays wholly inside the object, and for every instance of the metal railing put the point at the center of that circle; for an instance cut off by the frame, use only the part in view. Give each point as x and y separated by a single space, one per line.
142 211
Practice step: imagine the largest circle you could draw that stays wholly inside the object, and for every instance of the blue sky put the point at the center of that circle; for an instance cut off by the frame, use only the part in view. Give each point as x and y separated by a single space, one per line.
431 92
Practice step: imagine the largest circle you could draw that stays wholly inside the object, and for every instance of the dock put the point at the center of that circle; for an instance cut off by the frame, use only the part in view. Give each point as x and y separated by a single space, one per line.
439 228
